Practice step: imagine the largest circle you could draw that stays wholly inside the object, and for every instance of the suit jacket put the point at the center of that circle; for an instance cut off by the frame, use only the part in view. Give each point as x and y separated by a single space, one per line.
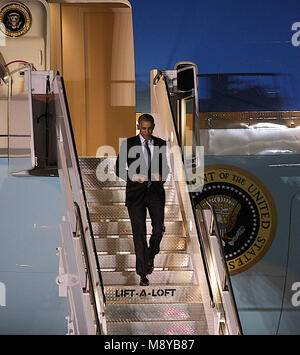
131 161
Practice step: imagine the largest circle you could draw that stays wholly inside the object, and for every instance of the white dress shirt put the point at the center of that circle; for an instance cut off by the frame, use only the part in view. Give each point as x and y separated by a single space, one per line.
151 147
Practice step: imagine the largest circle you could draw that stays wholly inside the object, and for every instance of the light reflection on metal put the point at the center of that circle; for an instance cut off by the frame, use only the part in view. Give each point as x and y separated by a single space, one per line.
267 125
283 165
177 330
170 312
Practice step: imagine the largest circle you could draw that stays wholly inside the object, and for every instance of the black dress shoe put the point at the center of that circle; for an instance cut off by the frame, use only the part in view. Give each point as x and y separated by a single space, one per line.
144 281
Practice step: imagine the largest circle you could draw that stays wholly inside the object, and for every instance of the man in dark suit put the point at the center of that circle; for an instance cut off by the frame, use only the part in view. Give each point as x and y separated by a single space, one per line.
143 164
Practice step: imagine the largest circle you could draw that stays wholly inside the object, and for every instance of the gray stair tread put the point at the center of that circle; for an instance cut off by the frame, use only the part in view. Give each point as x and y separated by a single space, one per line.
157 328
125 261
123 226
93 165
122 203
92 181
124 243
98 164
154 312
153 294
130 236
166 276
172 212
110 189
96 218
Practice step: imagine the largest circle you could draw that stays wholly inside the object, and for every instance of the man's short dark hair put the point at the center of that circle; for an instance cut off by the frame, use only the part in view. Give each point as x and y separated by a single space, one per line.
146 117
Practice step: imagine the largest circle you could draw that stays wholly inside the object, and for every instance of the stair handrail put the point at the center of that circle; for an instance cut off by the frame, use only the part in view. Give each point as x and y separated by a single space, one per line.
227 282
80 232
203 248
160 75
82 212
214 230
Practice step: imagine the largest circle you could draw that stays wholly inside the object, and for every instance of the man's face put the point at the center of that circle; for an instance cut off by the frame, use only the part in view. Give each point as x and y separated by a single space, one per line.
146 129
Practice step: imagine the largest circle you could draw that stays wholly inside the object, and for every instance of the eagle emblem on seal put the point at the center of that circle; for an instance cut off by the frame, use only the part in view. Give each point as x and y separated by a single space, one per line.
15 19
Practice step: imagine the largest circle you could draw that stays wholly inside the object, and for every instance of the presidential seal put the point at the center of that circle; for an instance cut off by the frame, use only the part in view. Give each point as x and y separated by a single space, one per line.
246 214
15 19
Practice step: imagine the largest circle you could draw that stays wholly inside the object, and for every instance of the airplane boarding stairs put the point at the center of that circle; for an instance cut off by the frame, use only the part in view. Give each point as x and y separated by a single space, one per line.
172 303
189 292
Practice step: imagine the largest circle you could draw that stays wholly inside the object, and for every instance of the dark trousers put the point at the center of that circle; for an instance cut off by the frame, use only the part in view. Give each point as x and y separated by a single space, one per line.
137 214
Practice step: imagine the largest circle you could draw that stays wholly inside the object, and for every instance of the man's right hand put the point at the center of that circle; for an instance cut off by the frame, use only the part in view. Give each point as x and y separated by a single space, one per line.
139 178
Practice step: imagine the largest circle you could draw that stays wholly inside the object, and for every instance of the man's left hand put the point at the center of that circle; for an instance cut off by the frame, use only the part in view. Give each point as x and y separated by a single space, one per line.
157 176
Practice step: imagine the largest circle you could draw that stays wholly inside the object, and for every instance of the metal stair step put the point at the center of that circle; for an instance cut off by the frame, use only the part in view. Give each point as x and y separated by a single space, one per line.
120 212
138 305
154 312
124 261
125 243
157 328
96 164
153 294
92 181
115 227
116 196
167 276
91 164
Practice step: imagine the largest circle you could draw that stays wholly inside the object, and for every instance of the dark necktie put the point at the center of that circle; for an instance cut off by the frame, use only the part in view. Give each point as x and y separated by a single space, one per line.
149 162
